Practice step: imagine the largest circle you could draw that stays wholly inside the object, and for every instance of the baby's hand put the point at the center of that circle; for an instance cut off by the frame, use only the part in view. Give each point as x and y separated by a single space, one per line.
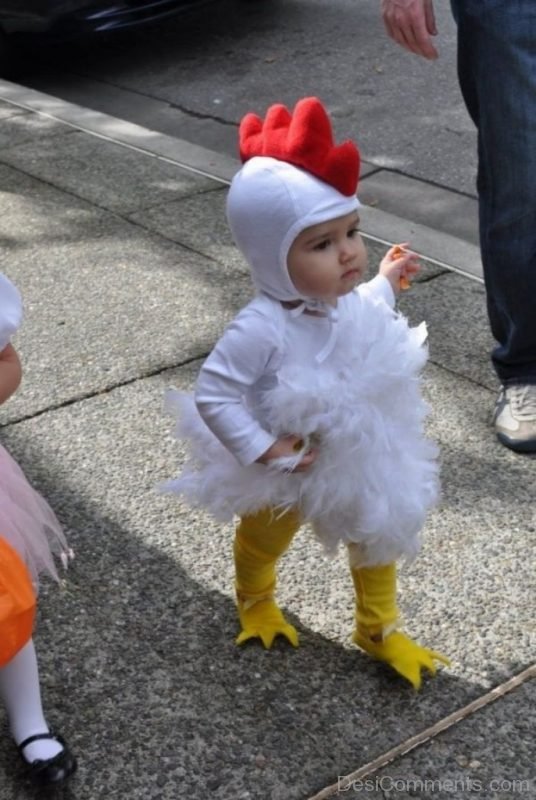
288 447
398 266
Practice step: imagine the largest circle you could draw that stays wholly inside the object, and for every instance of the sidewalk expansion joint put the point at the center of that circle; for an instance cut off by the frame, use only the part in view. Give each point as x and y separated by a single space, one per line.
425 736
430 278
457 375
166 203
98 392
122 216
419 179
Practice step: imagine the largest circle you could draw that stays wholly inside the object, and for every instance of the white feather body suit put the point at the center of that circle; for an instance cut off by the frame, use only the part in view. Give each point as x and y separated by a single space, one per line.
376 475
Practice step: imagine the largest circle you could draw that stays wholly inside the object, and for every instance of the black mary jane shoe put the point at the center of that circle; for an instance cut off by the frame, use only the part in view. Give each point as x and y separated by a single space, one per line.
50 770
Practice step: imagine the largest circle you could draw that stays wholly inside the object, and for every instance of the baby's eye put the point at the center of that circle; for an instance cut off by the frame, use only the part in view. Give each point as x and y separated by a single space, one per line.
353 232
322 245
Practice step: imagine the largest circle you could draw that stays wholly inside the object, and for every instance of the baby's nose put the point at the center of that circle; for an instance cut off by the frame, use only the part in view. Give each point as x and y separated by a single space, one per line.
346 251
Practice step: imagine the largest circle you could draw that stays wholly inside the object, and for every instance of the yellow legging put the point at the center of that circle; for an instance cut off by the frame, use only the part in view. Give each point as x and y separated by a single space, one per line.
376 618
261 539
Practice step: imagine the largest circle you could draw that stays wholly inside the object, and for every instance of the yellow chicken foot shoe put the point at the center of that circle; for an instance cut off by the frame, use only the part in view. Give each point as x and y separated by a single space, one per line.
402 654
263 619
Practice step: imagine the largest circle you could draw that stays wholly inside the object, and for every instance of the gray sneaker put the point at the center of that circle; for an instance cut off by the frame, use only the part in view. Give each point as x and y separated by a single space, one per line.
514 417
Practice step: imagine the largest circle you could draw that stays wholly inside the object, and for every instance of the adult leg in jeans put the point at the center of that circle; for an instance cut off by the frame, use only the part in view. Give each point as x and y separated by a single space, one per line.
497 74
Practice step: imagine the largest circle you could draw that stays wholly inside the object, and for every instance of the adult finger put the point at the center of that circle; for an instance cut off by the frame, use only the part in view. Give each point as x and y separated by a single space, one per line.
411 25
419 41
429 13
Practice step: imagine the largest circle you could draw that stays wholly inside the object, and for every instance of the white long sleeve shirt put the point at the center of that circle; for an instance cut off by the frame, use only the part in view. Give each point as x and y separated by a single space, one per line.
245 361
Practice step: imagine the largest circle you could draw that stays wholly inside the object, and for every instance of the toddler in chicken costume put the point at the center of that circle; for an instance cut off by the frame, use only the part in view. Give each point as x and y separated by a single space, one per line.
308 409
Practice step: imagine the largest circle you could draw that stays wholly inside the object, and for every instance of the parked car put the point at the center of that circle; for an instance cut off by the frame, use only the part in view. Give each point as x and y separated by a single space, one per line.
63 20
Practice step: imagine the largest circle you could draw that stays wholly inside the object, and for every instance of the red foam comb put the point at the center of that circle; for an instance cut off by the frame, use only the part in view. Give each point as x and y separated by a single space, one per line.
304 139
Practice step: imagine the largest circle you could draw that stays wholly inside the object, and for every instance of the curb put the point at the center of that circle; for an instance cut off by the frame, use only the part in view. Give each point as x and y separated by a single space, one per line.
442 249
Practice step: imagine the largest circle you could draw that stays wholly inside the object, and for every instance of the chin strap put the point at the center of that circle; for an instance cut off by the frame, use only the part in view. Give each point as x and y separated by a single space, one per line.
310 304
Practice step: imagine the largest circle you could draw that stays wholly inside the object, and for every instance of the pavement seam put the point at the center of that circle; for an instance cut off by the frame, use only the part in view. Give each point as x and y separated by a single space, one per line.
105 390
122 216
165 203
455 374
345 783
160 371
425 181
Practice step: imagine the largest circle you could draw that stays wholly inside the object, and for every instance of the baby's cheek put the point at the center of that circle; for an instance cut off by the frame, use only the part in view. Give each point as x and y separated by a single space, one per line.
363 255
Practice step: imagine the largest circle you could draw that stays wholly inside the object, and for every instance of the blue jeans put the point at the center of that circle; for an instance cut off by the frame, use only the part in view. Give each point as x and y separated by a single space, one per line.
497 74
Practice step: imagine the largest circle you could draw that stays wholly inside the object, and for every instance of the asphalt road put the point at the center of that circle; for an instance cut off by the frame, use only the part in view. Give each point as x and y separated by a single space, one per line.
194 77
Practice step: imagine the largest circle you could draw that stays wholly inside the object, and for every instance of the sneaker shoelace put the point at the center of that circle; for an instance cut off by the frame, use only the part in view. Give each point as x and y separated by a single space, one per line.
524 401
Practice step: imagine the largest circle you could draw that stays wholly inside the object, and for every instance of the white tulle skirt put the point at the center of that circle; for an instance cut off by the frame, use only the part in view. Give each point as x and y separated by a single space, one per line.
28 523
376 474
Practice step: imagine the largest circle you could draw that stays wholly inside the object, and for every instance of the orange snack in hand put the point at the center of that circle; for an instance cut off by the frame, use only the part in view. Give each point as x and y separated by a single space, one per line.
397 253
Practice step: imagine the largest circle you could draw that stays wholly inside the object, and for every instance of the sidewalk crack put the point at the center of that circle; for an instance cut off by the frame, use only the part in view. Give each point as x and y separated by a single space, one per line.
426 735
152 97
106 390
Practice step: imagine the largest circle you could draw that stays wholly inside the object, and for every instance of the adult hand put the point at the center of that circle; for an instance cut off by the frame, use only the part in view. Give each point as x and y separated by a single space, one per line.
411 23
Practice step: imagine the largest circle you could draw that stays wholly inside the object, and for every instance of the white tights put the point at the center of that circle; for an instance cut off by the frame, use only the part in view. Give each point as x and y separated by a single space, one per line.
21 695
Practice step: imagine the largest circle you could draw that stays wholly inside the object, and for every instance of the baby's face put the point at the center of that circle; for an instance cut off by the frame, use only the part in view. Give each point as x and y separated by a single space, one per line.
328 260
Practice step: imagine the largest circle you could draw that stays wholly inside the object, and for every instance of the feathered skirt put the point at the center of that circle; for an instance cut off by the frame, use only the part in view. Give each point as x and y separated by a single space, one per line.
28 523
376 474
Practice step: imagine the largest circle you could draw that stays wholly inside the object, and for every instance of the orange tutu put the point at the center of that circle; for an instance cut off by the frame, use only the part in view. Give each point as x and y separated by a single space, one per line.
17 603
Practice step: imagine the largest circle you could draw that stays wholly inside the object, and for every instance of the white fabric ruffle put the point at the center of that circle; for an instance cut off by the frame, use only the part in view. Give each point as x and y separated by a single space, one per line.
10 310
28 523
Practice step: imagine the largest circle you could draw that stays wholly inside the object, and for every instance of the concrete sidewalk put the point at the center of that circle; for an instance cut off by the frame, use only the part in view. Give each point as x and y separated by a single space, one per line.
116 237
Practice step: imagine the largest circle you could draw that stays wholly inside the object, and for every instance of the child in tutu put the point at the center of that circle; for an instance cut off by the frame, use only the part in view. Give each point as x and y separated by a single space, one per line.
308 409
29 533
